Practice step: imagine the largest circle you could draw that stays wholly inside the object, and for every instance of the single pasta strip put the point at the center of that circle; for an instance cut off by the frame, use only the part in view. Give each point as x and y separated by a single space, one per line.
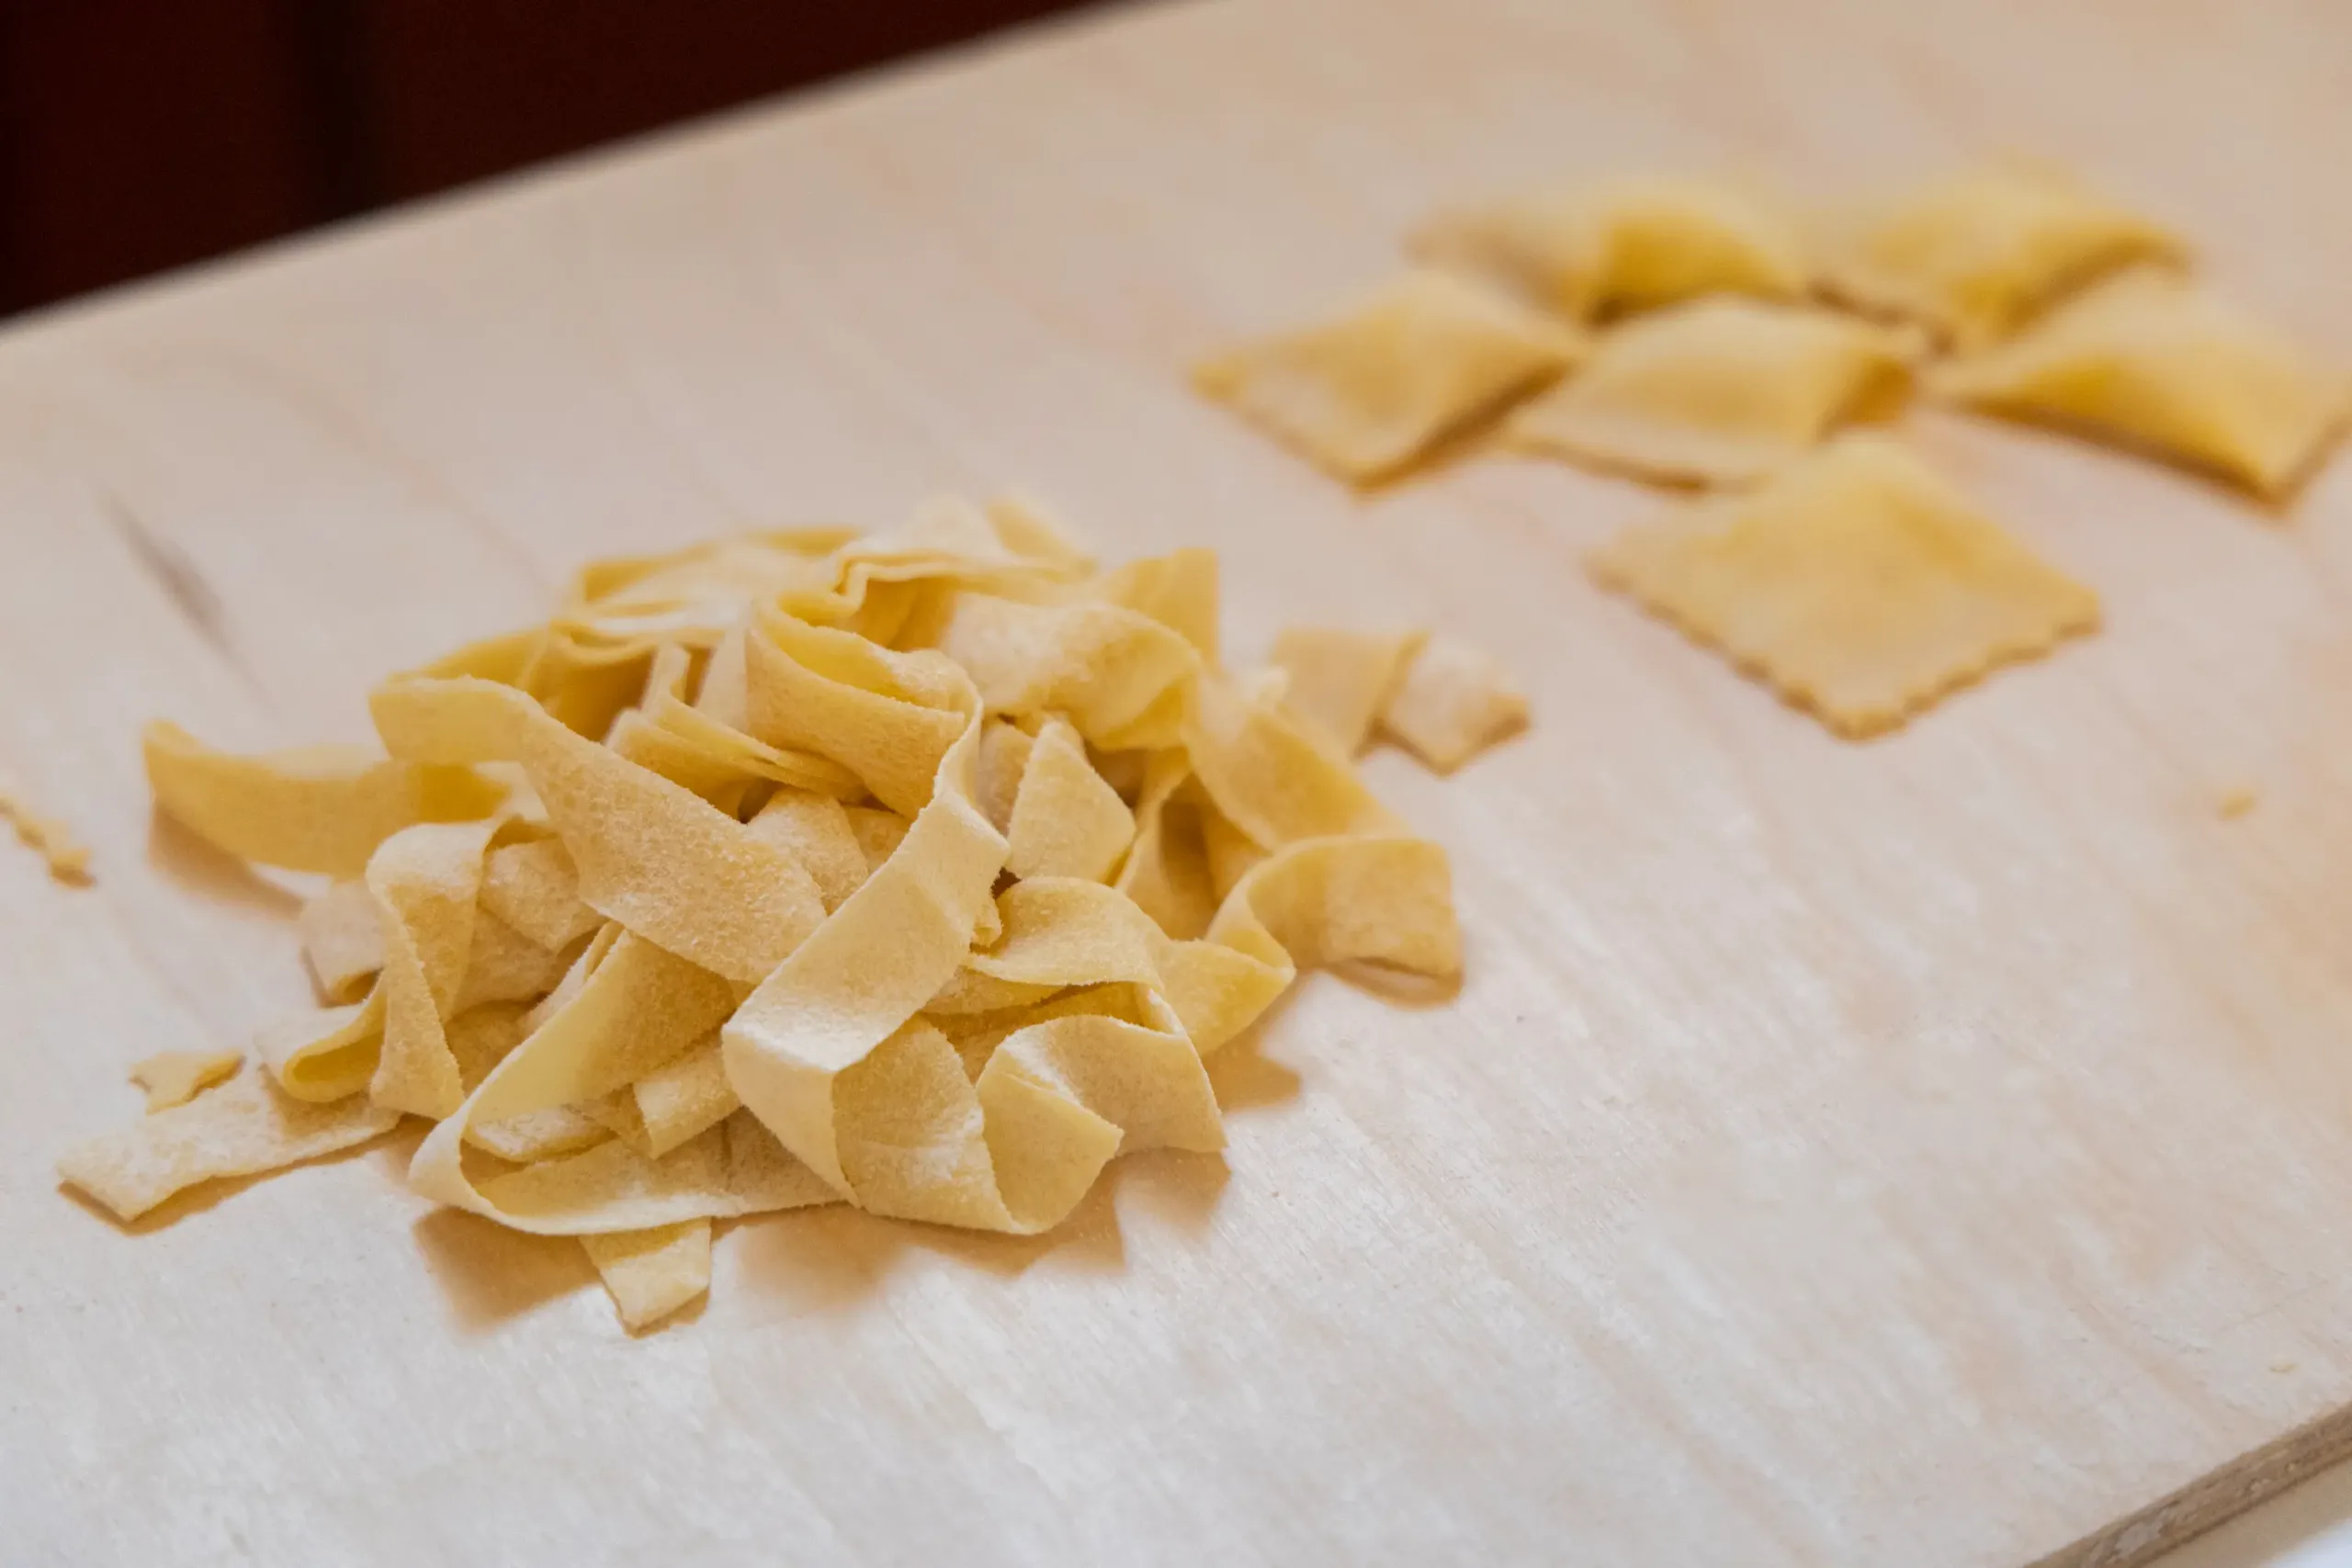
425 880
325 1055
503 965
343 939
1117 675
320 808
535 888
1339 680
1065 820
1453 702
245 1127
817 830
1272 778
652 1273
682 1096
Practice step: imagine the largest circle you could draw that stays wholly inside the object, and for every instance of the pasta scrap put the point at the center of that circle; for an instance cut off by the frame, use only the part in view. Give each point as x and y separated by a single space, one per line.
1065 820
245 1127
1980 253
1856 582
1340 680
652 1273
1444 700
67 858
1453 702
1719 391
174 1077
2161 364
920 870
1375 391
1624 245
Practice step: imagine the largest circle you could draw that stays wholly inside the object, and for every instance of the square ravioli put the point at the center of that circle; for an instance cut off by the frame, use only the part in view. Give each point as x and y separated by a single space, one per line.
1371 393
1718 391
1856 582
2160 364
1626 245
1976 254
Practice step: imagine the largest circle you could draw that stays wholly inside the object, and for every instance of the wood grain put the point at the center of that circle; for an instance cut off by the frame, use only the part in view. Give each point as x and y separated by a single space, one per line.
1928 1151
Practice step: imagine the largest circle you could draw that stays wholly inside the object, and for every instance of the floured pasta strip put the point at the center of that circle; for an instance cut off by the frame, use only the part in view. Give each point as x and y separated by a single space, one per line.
1065 821
920 870
1625 245
343 939
1375 391
245 1127
1340 680
312 808
1719 391
652 1273
1856 582
1444 699
67 857
2163 364
1978 253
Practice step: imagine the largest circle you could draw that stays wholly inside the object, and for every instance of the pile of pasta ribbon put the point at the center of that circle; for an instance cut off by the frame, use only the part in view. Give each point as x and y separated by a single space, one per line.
919 871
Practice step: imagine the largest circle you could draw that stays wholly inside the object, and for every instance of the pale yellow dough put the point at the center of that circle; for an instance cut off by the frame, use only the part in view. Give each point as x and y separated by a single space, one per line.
174 1077
652 1273
67 858
1718 391
1858 583
1978 253
1453 702
919 870
2165 365
244 1128
1619 247
1339 679
1369 394
343 938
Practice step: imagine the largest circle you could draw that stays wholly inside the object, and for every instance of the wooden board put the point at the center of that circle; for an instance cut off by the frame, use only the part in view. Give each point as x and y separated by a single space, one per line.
1930 1150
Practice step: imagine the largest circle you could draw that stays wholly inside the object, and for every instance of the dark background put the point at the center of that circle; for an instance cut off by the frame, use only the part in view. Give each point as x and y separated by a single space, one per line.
137 135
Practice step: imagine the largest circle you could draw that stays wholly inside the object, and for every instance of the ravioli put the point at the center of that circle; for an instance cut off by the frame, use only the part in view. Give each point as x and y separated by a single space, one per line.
1856 582
1718 391
1626 245
1368 395
343 938
1980 253
2164 366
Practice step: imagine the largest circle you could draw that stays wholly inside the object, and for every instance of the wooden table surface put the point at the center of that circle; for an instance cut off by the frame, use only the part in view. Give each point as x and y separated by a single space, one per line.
1930 1150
